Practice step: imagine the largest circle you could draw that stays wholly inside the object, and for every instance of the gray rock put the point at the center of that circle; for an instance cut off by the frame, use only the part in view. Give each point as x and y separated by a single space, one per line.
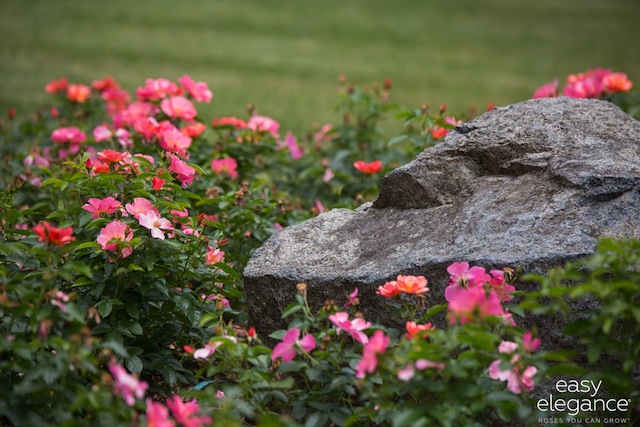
531 186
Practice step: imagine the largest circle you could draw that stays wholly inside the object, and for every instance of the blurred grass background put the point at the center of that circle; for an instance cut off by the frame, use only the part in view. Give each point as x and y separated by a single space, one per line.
285 56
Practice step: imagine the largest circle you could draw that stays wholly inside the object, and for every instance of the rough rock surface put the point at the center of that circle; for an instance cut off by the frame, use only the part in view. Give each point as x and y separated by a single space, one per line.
530 185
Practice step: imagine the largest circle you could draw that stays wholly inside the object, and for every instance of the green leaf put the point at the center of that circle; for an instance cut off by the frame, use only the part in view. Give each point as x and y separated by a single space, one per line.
227 269
86 245
285 384
136 328
104 307
292 308
432 311
134 365
396 139
50 181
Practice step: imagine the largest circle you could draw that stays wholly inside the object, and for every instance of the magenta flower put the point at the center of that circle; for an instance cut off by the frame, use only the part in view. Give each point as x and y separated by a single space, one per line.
154 90
157 415
547 90
530 344
72 135
155 223
199 91
353 299
97 207
354 328
179 107
126 384
184 172
473 304
225 166
287 348
369 362
264 124
292 144
175 141
500 286
186 412
462 277
113 233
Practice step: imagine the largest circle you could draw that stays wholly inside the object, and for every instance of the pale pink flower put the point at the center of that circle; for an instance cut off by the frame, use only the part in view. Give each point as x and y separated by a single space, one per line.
292 144
97 207
264 124
124 138
507 347
354 327
214 256
324 134
175 141
126 384
547 90
199 91
220 394
407 373
179 107
157 415
101 133
462 277
207 351
184 172
58 299
328 175
518 378
473 304
139 206
450 120
113 233
319 206
155 223
225 166
186 412
287 348
423 364
369 362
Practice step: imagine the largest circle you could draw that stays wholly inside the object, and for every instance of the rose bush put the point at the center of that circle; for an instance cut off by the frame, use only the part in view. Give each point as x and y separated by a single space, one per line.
127 221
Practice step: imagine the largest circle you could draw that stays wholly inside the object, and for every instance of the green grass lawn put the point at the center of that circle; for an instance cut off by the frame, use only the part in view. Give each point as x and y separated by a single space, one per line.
285 56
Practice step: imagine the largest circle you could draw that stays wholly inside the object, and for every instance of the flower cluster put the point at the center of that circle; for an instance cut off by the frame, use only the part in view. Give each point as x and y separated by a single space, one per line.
473 294
590 84
519 377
